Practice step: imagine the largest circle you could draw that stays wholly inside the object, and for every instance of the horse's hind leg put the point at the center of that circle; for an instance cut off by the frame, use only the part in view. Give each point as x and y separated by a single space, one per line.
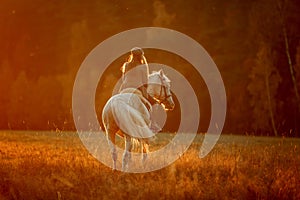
111 142
145 150
127 153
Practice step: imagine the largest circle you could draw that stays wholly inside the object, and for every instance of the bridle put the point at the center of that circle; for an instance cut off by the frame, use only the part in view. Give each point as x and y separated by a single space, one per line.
163 98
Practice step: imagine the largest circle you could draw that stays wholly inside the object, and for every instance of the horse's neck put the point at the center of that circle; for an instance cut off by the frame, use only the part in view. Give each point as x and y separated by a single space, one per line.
151 100
154 81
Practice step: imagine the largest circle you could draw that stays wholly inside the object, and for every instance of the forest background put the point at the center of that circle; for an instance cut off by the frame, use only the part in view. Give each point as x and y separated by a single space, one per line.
255 45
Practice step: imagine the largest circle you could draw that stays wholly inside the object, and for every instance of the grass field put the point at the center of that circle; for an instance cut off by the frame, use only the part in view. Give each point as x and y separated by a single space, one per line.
53 165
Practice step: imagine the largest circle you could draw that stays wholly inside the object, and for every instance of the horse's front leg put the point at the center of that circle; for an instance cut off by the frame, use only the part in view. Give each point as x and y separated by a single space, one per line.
127 154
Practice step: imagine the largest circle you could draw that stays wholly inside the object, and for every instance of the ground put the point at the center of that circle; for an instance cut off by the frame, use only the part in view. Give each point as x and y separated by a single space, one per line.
55 165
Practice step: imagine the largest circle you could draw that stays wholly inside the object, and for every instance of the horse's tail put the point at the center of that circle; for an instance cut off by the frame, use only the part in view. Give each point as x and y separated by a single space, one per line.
136 143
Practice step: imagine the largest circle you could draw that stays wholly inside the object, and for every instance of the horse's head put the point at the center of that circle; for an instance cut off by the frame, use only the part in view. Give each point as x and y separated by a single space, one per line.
159 89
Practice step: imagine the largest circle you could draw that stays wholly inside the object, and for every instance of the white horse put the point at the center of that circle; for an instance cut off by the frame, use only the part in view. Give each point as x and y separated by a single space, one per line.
128 115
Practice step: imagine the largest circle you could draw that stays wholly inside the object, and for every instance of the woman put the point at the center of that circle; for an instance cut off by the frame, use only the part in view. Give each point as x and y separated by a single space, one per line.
135 74
138 76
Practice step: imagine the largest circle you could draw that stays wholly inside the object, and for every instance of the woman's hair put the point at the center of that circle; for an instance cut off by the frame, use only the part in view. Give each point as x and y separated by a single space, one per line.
137 55
133 58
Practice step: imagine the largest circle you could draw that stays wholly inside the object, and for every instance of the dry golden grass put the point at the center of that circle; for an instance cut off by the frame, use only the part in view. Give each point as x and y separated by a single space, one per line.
44 165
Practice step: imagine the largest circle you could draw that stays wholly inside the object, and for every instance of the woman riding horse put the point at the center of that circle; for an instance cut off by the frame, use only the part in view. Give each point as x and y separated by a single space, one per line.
138 78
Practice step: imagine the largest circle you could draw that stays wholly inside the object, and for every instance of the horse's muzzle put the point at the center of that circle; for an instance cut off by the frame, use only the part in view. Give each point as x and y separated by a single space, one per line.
169 106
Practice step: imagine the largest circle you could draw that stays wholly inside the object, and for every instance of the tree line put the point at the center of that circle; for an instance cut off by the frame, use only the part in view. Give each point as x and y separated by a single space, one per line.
254 44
